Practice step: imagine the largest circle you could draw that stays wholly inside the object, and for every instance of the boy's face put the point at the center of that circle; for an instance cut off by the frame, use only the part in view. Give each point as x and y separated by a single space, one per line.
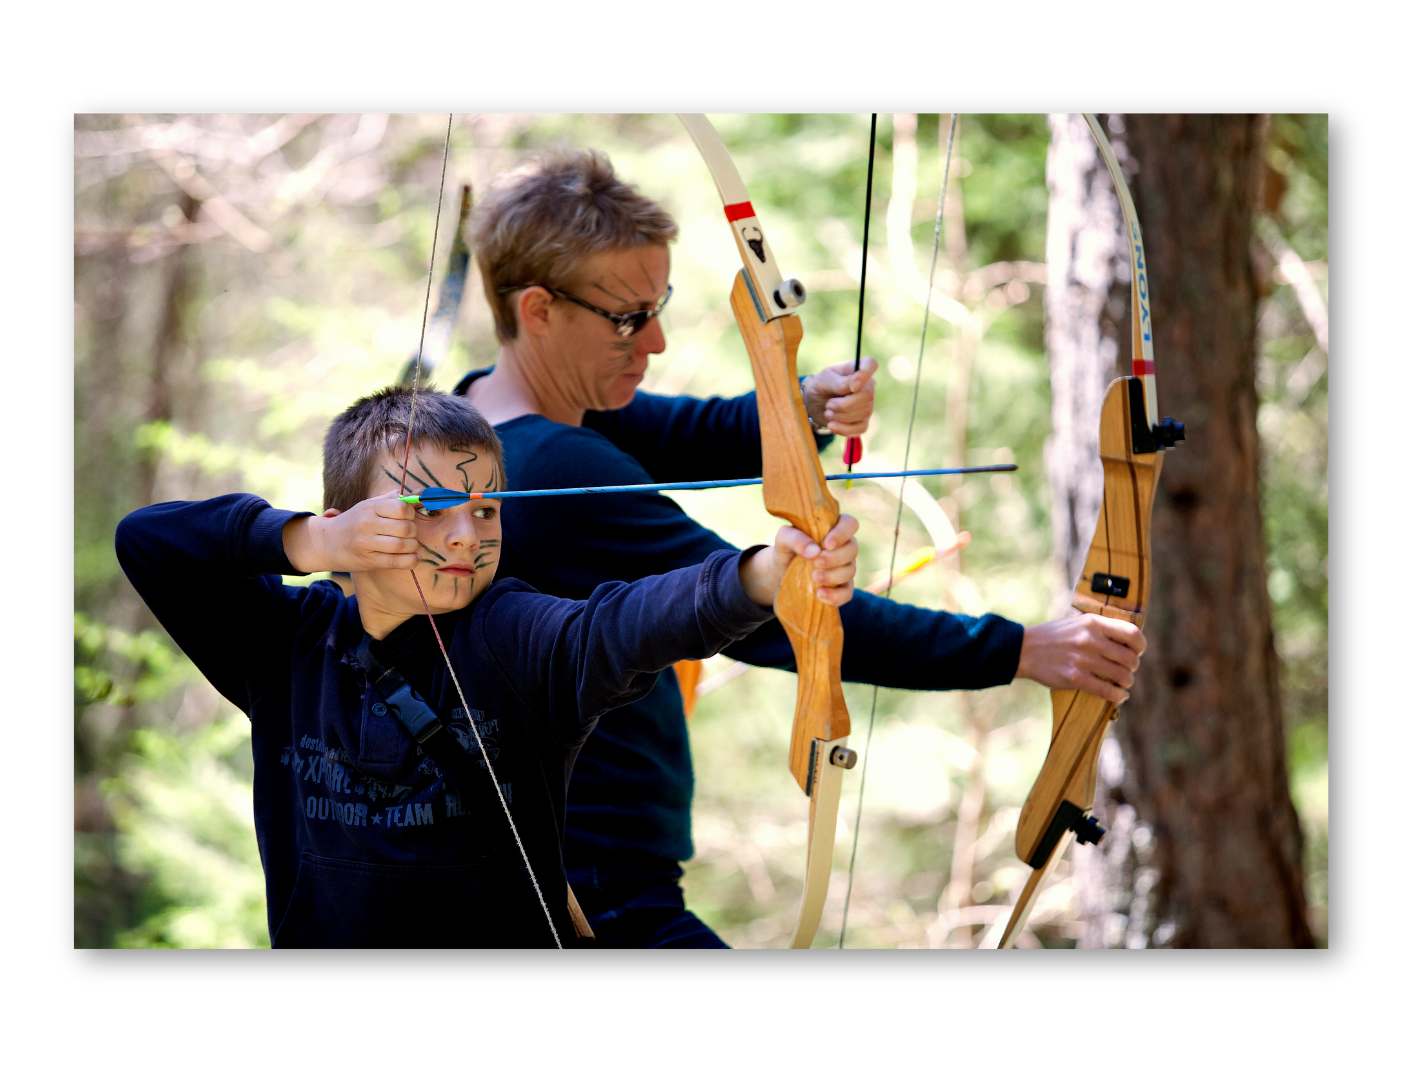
458 547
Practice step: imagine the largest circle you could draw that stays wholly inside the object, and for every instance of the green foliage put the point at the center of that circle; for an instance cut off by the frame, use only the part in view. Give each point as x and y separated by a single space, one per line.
158 667
182 869
183 804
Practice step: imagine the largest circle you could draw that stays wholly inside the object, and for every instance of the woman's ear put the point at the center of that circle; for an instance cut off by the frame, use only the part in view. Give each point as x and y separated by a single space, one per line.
535 310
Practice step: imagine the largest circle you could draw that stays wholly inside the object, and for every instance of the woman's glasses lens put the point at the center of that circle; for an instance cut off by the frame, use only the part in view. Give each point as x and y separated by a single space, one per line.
632 322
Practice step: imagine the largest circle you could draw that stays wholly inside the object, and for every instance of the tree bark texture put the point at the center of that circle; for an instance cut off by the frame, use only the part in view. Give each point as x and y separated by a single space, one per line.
1087 319
1204 848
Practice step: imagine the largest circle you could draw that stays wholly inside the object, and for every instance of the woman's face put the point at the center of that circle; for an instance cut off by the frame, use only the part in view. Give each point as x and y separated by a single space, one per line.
601 368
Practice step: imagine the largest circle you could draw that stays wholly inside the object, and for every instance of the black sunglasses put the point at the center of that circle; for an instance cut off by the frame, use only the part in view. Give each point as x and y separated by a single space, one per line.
626 325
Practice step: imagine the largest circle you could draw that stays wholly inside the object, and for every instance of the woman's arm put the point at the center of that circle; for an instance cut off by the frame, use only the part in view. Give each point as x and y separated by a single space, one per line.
887 643
685 438
569 546
688 438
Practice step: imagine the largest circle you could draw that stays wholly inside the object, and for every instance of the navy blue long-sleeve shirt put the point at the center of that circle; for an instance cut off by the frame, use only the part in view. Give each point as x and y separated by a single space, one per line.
632 786
361 840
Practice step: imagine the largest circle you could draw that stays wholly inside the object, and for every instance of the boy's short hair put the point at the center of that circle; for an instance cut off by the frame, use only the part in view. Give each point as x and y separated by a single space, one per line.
542 219
379 422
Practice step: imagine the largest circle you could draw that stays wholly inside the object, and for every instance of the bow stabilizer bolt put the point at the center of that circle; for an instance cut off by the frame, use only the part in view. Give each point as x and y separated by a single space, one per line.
790 293
1088 830
1167 432
843 757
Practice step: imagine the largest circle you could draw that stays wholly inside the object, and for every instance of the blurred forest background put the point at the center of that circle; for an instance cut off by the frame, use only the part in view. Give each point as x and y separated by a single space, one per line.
240 279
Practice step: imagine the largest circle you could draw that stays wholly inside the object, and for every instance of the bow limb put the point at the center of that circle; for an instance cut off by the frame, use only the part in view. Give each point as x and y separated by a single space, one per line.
442 323
794 489
1114 583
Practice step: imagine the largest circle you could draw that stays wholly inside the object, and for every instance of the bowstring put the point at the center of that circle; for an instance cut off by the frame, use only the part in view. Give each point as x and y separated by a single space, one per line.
897 527
863 279
404 473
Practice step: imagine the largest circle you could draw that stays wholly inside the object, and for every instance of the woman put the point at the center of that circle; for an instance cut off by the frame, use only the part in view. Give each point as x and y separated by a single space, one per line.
576 267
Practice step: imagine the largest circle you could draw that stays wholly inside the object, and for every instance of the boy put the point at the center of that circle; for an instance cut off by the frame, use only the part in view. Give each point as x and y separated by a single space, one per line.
369 837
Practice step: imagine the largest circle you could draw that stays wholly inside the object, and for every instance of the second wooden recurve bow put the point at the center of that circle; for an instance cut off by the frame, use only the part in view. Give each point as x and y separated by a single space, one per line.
1115 583
441 325
795 490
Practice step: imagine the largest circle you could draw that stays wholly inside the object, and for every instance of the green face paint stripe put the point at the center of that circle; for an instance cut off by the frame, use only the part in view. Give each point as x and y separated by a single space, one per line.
393 477
428 472
467 483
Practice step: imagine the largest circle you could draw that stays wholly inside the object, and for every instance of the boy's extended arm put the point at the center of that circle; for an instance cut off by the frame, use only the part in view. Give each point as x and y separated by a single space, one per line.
205 570
576 660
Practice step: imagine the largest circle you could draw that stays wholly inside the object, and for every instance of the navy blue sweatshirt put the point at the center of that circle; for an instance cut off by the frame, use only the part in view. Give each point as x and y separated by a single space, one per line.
631 790
362 842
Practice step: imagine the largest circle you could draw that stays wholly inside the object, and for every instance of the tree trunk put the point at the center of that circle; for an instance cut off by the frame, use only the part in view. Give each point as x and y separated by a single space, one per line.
1204 848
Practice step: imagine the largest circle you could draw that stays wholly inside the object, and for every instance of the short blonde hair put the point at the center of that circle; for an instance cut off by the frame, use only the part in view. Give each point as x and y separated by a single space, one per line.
543 218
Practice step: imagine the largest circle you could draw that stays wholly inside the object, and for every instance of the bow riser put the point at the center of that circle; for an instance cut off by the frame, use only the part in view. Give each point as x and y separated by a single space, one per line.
1114 583
1079 722
1116 578
796 491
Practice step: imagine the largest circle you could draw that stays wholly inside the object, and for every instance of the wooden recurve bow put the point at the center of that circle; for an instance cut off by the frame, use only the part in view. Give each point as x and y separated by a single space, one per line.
794 489
1115 583
440 331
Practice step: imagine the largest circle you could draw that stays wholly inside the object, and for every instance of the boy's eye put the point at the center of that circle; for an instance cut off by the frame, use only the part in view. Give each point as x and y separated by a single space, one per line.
426 511
486 512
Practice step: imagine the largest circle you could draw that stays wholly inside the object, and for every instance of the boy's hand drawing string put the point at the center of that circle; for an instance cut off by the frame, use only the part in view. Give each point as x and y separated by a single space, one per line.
408 438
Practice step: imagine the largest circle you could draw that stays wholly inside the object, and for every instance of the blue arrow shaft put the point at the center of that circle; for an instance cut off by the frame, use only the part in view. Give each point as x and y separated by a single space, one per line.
453 498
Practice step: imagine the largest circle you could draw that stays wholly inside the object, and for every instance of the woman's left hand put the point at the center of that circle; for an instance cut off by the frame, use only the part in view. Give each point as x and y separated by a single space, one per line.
840 398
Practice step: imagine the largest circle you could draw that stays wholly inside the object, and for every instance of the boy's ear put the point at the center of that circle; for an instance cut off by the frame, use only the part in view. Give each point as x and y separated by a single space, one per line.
332 512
